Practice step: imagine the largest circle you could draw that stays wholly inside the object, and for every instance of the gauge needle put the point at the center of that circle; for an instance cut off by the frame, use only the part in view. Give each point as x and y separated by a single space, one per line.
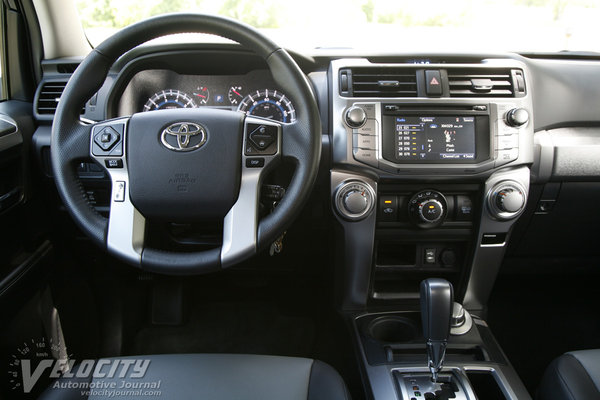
234 91
199 95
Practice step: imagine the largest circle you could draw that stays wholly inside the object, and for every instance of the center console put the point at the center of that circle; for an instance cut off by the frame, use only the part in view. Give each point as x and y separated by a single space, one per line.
430 171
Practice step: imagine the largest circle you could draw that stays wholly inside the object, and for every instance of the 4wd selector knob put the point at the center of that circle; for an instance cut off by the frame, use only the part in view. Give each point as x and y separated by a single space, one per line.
354 200
427 209
506 200
355 117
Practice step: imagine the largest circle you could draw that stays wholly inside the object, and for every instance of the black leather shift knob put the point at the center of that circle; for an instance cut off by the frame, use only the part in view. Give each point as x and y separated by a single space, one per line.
437 297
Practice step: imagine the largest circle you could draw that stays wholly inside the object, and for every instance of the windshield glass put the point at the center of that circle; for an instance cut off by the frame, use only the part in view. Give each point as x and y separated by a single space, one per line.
382 25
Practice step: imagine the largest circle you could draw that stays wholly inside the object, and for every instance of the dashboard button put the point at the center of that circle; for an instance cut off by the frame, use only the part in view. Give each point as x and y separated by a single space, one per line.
388 208
506 156
364 142
369 128
504 129
433 83
369 109
464 208
368 157
507 142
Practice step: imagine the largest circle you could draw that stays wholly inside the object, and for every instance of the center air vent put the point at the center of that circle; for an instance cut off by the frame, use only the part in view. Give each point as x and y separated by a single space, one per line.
482 82
49 97
381 82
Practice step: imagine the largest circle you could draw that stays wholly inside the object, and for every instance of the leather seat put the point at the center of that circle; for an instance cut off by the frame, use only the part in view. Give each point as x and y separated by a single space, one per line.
206 376
572 376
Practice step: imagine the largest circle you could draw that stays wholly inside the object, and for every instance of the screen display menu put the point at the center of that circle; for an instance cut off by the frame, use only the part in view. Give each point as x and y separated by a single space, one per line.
419 138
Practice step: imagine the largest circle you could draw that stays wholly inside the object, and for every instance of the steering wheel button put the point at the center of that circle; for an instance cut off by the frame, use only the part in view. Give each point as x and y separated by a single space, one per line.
114 163
107 138
255 162
119 191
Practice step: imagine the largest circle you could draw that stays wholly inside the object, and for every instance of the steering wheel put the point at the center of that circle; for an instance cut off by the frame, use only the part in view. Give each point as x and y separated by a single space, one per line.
185 165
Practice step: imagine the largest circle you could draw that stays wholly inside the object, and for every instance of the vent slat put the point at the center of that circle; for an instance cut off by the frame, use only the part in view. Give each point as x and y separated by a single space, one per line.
384 82
50 93
480 83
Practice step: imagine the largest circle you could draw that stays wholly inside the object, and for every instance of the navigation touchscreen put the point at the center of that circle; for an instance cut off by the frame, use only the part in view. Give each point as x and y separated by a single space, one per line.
421 138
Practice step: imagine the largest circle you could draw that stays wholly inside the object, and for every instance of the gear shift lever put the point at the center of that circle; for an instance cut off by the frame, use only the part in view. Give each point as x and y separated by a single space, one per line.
436 311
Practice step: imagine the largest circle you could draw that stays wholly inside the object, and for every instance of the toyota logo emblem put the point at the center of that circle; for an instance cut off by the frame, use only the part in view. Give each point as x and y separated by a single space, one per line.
183 136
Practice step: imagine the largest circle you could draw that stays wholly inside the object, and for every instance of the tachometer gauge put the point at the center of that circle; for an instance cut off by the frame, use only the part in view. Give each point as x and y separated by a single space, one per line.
235 94
269 104
169 98
202 94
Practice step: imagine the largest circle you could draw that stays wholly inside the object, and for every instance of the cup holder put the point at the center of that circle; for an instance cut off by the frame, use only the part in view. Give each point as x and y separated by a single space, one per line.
392 329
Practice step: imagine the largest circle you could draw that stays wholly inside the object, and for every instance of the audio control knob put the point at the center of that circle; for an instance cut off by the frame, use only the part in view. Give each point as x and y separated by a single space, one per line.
507 200
517 117
427 208
354 200
355 117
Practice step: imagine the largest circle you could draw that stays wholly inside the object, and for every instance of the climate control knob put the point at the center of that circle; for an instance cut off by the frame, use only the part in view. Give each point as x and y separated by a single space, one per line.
517 117
354 200
355 117
430 211
427 209
507 200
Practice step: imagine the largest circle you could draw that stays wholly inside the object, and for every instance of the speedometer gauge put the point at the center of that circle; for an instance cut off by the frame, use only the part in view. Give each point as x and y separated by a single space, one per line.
269 104
169 98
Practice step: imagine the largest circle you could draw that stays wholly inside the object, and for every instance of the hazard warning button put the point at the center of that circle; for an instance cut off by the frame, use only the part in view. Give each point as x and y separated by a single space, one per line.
433 83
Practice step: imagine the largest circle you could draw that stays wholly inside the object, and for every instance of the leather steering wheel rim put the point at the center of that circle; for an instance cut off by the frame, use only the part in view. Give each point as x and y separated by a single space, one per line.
300 143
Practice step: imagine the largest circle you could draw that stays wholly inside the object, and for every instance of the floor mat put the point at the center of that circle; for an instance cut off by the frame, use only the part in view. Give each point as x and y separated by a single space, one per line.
257 328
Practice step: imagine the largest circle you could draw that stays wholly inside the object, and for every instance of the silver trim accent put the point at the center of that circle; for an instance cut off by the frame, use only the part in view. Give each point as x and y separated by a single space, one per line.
126 225
241 222
12 139
183 134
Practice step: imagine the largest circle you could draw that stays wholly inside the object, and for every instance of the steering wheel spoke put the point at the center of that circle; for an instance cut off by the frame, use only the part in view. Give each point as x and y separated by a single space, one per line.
260 152
126 225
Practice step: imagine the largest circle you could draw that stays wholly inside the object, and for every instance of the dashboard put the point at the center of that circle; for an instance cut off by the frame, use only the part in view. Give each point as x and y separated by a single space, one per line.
253 93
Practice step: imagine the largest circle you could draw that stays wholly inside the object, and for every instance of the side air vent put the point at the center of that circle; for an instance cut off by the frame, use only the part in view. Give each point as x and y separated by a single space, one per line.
382 82
66 68
482 82
49 97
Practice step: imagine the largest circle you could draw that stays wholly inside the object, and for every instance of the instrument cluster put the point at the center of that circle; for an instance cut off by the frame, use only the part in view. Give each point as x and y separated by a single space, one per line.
254 93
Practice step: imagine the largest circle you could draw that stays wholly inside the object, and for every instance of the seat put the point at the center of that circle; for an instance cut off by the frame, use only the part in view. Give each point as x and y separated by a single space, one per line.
572 376
202 376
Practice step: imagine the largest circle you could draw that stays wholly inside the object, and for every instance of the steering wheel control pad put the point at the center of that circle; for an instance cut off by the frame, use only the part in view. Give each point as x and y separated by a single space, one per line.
185 165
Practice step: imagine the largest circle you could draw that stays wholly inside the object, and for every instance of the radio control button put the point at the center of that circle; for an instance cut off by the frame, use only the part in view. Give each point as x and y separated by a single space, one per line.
365 156
364 142
506 156
369 128
507 142
368 108
504 129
